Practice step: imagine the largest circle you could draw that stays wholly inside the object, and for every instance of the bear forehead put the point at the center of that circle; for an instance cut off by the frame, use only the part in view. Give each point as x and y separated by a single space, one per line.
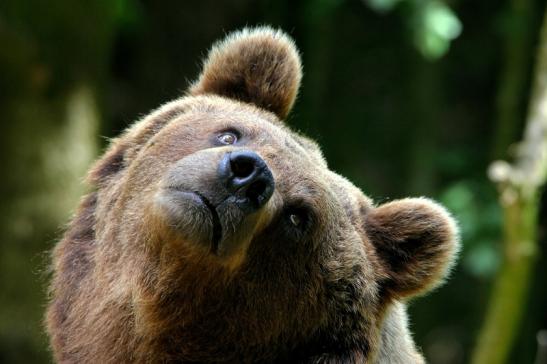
185 122
212 113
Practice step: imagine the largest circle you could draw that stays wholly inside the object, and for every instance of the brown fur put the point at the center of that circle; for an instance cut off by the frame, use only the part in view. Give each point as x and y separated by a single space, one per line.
411 236
135 279
261 67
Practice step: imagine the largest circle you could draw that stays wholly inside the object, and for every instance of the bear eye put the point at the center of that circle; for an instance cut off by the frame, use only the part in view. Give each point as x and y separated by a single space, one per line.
227 138
298 217
295 220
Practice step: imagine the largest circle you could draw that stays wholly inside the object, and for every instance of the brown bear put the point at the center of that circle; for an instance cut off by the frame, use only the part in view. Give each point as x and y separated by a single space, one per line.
216 234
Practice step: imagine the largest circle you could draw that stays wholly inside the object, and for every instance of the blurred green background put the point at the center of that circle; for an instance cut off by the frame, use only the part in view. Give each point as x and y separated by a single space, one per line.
406 97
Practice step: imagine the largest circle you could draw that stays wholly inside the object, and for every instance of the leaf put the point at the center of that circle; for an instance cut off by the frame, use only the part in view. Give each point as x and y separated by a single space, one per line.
382 6
437 26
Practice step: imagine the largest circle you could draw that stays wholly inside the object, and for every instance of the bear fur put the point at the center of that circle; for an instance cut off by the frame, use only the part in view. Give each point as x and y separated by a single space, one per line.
160 264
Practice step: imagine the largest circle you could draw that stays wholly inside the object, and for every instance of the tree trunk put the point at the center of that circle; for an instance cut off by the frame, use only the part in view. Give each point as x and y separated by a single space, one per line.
520 186
513 77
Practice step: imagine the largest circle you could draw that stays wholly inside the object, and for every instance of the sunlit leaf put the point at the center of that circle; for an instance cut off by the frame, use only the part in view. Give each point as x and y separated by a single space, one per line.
382 6
482 260
459 199
432 23
458 196
475 207
441 21
436 27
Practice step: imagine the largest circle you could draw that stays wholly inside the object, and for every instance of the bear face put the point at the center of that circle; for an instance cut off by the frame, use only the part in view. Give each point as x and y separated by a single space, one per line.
217 234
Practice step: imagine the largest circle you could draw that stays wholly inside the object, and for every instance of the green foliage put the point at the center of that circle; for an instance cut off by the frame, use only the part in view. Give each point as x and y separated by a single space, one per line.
475 206
432 23
383 6
127 14
436 26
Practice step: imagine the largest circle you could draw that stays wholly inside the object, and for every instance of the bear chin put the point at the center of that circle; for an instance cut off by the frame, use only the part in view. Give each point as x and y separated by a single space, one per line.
191 215
224 230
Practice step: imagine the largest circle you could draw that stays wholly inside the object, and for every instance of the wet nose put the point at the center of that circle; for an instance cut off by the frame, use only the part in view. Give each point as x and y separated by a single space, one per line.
247 177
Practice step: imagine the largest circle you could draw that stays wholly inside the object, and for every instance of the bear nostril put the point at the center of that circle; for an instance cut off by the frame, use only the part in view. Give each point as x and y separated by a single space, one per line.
242 167
256 191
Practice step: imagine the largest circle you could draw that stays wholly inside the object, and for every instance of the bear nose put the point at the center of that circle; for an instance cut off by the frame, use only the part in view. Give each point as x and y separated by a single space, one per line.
247 177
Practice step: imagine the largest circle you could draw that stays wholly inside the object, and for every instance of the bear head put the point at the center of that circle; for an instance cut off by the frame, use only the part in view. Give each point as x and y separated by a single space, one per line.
216 233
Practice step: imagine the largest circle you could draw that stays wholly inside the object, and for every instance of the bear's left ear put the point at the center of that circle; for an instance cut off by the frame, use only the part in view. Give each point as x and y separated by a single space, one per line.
260 66
416 240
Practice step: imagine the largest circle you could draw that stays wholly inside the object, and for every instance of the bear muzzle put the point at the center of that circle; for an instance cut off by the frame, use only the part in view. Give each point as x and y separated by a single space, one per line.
217 199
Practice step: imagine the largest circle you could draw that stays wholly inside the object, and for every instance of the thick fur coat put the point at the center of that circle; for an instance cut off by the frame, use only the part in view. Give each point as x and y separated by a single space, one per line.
164 263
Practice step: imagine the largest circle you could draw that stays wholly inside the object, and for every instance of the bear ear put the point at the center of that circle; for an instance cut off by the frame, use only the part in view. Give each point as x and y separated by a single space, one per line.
260 66
416 240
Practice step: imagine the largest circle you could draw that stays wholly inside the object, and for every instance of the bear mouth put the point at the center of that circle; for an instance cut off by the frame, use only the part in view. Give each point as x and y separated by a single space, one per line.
176 201
216 223
217 226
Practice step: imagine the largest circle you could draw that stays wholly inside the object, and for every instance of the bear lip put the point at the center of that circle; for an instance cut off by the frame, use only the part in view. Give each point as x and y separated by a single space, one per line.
217 226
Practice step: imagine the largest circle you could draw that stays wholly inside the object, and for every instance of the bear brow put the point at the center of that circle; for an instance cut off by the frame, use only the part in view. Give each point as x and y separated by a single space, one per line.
293 147
153 124
310 146
304 193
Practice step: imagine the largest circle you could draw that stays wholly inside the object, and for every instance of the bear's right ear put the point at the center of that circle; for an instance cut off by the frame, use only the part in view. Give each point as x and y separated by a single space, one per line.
260 66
